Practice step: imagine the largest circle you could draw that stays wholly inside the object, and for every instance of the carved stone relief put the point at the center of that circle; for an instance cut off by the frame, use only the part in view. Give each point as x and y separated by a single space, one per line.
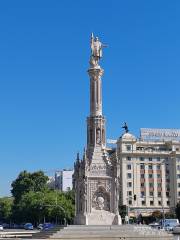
101 199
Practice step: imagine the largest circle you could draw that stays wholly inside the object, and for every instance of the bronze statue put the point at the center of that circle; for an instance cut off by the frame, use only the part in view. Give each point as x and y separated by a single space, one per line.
125 126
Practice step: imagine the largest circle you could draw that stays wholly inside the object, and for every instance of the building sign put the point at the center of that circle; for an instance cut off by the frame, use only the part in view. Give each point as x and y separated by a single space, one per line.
160 134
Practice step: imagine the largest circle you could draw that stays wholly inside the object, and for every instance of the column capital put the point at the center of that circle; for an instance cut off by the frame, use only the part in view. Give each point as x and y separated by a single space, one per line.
95 73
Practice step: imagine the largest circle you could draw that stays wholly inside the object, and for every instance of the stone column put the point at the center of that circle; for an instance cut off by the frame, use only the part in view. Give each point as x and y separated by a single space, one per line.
163 185
96 121
155 186
147 186
95 88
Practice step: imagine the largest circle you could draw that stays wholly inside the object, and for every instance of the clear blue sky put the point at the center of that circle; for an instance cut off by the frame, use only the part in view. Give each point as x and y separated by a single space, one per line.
44 86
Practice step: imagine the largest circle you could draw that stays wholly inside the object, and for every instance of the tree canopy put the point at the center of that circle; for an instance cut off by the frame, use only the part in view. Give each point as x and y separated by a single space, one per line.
27 182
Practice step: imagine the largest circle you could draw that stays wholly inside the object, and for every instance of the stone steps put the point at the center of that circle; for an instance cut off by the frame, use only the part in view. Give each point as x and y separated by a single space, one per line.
44 234
114 232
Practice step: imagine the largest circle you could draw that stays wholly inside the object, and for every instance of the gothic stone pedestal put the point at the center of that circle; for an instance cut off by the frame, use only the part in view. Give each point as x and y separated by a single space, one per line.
98 217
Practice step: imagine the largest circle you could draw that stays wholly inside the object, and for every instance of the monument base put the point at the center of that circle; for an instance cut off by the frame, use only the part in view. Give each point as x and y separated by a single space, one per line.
98 217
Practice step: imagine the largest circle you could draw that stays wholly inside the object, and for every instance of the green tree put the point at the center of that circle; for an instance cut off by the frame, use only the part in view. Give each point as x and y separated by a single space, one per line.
6 204
70 195
27 182
170 215
37 207
123 211
34 202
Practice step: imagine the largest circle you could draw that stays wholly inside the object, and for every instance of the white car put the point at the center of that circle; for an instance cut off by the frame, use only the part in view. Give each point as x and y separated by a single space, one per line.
1 228
169 224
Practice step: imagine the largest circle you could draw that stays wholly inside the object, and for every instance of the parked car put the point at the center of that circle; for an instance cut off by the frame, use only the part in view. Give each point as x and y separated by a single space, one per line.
6 225
47 226
28 226
1 228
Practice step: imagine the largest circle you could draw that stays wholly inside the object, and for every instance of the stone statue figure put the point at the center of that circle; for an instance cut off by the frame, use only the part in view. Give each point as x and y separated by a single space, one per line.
125 126
96 51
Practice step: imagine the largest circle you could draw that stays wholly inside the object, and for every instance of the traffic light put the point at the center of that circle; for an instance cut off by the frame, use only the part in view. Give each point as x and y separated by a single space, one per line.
135 197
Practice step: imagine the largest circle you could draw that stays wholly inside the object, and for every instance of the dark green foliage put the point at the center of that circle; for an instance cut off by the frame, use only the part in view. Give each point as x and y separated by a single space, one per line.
27 182
6 204
50 206
123 211
170 215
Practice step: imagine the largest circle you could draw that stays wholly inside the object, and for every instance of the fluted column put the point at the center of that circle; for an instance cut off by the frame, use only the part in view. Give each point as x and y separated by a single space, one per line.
95 91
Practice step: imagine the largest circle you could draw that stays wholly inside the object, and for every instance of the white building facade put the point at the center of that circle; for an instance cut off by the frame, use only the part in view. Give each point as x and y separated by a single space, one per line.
62 180
149 171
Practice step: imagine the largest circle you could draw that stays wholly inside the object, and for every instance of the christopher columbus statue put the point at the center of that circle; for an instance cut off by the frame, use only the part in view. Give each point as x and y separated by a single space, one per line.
96 51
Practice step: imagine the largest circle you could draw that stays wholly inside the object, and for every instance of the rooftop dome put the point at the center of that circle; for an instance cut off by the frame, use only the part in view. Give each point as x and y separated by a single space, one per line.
128 136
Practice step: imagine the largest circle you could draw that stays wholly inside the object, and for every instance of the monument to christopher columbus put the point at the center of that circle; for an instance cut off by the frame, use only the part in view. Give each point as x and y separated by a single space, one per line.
95 178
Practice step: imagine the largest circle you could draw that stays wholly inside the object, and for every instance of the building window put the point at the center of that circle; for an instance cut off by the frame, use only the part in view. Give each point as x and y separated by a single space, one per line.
129 193
178 167
178 194
130 202
141 158
142 184
142 194
151 185
178 175
179 185
159 202
128 147
151 194
142 175
159 185
150 159
167 194
150 175
128 158
168 203
158 167
158 159
151 203
158 175
129 184
159 194
141 166
143 203
129 166
129 175
150 167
